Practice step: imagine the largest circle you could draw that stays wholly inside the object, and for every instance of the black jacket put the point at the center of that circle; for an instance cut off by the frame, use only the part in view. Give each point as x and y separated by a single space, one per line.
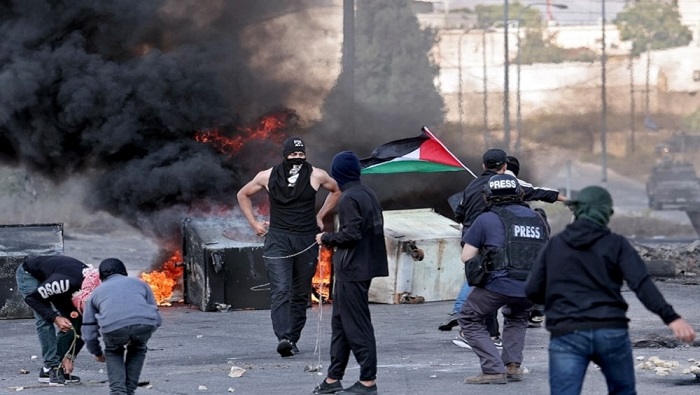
473 203
361 249
59 277
578 276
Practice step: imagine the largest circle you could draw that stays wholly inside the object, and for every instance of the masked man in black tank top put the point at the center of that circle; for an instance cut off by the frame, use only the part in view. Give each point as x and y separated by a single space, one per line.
290 248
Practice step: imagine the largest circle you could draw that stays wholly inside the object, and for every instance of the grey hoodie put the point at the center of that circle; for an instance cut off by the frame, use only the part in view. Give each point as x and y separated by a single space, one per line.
118 302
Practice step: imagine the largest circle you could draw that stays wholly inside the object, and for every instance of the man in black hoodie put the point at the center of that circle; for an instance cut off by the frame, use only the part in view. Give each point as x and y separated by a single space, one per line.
47 284
578 276
359 257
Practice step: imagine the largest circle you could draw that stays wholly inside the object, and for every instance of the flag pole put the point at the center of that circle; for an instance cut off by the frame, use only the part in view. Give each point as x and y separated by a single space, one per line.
432 136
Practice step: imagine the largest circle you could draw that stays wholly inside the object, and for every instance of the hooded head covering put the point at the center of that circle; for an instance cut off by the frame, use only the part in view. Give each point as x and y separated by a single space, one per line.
345 168
513 164
111 266
291 172
593 203
91 279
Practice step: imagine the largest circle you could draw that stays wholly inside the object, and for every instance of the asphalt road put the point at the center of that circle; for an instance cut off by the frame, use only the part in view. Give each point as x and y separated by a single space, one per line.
194 352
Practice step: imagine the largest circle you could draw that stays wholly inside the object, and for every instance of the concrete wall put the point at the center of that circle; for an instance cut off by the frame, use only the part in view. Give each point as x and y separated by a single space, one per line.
671 78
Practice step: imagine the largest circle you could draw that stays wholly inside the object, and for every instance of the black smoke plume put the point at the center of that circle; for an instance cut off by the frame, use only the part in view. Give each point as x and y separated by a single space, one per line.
117 90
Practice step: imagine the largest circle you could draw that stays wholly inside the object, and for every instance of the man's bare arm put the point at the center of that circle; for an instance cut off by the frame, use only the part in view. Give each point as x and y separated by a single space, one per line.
257 184
469 252
328 183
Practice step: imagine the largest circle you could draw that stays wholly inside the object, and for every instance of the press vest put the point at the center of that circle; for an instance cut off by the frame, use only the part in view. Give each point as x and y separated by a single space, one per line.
525 237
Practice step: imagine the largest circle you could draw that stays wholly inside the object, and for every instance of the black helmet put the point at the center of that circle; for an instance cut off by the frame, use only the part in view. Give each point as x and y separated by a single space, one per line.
503 188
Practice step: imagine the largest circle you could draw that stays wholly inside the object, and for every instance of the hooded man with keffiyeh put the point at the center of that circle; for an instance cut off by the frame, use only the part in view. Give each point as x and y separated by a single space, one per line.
290 250
51 286
578 277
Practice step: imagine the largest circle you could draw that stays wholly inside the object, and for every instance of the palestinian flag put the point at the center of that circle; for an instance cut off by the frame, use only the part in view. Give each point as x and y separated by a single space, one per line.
422 154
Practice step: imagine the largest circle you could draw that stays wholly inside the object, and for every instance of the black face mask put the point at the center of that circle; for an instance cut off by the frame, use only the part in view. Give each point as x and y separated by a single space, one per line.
295 161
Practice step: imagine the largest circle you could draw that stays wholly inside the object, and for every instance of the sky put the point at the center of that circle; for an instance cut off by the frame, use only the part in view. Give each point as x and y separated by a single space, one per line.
583 12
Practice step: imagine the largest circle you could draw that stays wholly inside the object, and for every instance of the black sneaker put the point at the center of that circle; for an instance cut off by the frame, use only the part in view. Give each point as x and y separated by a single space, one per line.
285 348
295 349
56 376
71 378
535 321
497 342
44 375
325 388
359 388
449 323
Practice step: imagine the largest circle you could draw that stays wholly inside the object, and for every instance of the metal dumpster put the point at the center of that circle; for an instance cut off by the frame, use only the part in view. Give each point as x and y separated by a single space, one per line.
16 243
409 234
224 268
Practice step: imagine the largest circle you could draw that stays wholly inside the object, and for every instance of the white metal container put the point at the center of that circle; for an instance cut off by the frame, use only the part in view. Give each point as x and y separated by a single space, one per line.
438 276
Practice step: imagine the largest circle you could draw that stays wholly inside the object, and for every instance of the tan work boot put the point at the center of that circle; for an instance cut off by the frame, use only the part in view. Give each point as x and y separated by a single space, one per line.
486 378
513 372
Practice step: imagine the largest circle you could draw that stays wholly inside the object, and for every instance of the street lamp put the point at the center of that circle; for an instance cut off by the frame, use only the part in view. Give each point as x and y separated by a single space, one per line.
519 117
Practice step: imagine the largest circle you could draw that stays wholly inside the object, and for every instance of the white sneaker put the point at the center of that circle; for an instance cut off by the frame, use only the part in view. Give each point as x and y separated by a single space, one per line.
460 341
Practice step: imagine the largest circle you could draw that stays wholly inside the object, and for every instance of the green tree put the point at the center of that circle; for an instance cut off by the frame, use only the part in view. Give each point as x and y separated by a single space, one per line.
492 15
691 123
394 79
535 47
652 24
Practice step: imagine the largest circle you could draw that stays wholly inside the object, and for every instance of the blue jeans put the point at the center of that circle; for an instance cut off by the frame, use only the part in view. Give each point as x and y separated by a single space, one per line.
124 373
54 344
610 349
461 297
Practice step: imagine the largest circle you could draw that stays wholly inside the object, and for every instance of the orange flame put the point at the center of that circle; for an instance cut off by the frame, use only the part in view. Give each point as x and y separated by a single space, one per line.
265 128
163 281
321 281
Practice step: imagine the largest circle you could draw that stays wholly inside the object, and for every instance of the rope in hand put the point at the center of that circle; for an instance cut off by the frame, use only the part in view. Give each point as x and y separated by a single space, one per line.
70 354
316 366
291 255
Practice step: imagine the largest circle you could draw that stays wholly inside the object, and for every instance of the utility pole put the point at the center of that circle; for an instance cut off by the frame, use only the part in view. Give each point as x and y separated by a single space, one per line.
460 94
518 111
646 88
506 88
486 90
604 109
348 63
631 141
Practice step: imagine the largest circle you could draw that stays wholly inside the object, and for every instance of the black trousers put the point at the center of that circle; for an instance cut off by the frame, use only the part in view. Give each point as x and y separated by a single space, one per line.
352 330
290 273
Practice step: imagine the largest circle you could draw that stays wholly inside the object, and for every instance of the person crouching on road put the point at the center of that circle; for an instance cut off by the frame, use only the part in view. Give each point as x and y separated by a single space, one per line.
47 283
499 250
124 312
360 256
